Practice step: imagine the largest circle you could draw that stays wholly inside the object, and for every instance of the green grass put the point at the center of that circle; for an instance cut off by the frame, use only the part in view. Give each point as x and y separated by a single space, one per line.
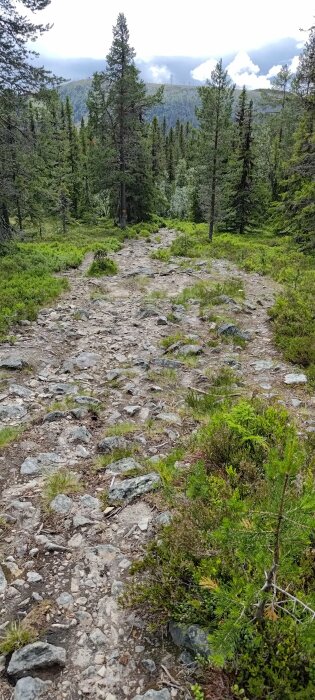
208 294
174 338
102 266
7 435
292 315
119 453
123 428
14 637
62 481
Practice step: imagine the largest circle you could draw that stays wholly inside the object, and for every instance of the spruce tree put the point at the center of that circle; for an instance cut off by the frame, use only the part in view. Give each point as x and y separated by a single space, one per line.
215 124
241 196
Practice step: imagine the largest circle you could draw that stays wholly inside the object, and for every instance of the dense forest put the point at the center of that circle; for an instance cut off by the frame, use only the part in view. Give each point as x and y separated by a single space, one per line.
234 175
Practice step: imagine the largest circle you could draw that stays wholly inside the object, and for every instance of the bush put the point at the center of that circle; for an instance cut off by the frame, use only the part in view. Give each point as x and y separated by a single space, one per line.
102 265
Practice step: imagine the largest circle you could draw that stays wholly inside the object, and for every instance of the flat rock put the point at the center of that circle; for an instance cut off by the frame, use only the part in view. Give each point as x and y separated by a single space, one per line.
129 489
61 504
171 418
261 365
12 412
295 378
80 434
86 360
3 582
19 390
54 416
122 466
29 688
86 400
148 312
34 656
45 461
63 389
12 362
187 350
132 410
191 637
109 444
232 330
169 364
154 695
162 321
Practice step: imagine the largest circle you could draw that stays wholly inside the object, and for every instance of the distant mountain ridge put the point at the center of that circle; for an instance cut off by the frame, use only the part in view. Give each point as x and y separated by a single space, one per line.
180 101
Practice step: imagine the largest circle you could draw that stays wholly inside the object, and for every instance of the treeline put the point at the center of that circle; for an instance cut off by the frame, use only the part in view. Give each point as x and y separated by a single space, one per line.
241 168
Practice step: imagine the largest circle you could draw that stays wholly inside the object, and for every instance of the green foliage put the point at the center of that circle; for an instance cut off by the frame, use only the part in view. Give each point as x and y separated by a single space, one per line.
62 481
14 637
208 294
101 266
7 435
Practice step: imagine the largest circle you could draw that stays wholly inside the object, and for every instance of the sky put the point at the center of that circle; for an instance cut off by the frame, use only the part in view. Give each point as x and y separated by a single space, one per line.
201 29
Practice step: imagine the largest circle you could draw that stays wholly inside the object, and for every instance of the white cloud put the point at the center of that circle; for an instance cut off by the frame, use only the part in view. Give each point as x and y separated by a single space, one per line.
160 74
274 71
243 71
294 64
204 70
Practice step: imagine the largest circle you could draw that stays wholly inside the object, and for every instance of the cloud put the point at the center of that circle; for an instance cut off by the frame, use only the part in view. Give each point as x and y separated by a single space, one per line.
243 71
204 70
274 71
160 74
294 64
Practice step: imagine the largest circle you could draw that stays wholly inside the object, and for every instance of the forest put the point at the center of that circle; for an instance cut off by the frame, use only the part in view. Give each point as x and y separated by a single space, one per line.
235 177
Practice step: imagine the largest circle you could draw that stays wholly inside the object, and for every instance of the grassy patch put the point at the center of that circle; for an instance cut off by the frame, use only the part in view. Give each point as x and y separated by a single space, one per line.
62 481
7 435
102 265
203 403
14 637
208 294
123 428
170 340
119 453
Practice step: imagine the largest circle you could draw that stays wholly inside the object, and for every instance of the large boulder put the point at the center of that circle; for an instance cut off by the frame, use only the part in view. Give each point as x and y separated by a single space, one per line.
34 656
129 489
191 637
229 329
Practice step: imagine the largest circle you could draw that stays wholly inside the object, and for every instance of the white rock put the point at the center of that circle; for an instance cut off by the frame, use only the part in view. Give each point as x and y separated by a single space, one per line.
295 378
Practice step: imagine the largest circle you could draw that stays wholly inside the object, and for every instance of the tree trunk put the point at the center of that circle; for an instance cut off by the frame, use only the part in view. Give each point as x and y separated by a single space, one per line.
5 228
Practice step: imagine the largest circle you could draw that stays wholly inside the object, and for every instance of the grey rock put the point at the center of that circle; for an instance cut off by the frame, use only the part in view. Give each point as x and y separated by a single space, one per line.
229 329
129 489
85 360
149 665
3 582
187 350
12 362
132 410
90 502
54 416
44 461
148 312
32 689
79 413
33 577
296 403
81 520
12 412
21 391
109 444
2 663
61 504
122 466
162 362
261 365
154 695
113 374
65 600
171 418
81 314
86 400
295 378
164 518
191 637
34 656
98 637
186 659
80 434
162 321
63 389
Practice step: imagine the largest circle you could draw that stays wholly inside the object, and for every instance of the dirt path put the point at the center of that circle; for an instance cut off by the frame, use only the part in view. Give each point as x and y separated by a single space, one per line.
100 346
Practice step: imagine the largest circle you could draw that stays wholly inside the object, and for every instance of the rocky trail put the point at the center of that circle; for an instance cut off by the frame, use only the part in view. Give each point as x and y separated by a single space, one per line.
89 364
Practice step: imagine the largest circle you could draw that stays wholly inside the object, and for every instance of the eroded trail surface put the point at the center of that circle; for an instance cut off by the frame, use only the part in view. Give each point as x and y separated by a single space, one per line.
92 362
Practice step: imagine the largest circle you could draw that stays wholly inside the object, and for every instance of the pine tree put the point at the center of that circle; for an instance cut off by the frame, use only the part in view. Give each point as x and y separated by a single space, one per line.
74 160
241 202
215 123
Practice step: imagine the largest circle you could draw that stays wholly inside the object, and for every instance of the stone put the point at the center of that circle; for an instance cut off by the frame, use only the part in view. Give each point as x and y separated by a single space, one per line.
191 637
12 362
80 434
98 637
186 658
3 582
33 577
148 312
296 403
113 374
154 695
61 504
187 350
34 656
122 466
164 518
21 391
295 378
261 365
232 330
129 489
81 315
162 321
86 360
149 665
63 389
45 461
65 600
90 502
54 416
109 444
163 362
29 688
171 418
86 400
81 520
132 410
12 412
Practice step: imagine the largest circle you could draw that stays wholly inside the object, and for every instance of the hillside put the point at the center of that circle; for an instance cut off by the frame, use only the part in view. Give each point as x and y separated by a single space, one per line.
180 101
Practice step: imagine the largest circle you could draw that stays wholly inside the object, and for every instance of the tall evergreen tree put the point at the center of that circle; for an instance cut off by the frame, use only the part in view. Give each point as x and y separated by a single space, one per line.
215 123
241 202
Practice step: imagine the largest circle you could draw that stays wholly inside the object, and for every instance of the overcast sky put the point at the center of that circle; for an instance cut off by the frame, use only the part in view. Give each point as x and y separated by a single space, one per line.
173 28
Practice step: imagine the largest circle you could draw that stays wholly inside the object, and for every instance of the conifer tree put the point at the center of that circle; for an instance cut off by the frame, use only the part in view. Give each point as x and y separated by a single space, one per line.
215 124
241 202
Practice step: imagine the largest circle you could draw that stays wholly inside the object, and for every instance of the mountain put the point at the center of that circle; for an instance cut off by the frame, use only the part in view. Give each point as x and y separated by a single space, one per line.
180 101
